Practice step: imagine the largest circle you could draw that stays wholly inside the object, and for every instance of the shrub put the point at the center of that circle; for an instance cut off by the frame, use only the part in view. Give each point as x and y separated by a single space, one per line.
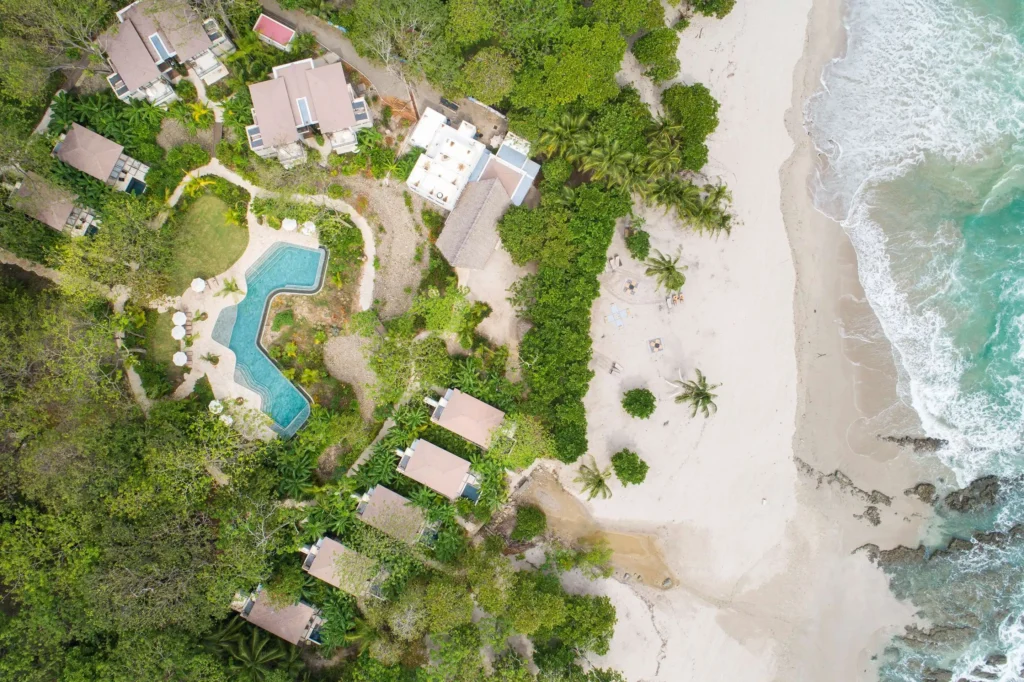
629 468
338 192
639 245
713 8
405 164
556 172
489 75
657 51
186 91
695 111
530 522
638 402
285 318
682 24
433 221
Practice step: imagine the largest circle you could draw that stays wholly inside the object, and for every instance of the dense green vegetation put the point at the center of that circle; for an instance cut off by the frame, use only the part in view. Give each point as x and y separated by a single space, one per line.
629 468
530 522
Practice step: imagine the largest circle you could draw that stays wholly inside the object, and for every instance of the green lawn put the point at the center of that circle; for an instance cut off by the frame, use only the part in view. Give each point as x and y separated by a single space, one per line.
160 347
205 244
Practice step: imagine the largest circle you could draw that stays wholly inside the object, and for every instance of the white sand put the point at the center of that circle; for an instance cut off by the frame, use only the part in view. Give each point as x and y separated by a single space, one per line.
767 586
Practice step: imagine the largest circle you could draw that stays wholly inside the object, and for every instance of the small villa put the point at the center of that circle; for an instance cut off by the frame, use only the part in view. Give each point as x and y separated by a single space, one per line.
301 99
348 570
390 513
459 174
439 470
51 205
296 624
466 416
274 32
154 37
101 158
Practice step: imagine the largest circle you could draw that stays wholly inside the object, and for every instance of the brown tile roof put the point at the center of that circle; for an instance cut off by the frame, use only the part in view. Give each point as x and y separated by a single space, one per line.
342 567
437 469
275 101
89 152
273 113
470 233
290 623
470 418
129 55
331 100
39 199
508 177
390 513
178 25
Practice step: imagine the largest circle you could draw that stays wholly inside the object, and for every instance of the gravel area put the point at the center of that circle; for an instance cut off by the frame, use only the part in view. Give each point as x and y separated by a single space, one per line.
346 361
398 274
173 134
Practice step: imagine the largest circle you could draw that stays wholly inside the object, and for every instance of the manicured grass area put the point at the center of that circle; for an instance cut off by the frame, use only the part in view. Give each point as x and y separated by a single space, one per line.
160 347
205 242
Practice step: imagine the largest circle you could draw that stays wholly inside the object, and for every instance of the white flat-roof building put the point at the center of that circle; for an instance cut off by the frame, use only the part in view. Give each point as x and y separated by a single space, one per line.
450 159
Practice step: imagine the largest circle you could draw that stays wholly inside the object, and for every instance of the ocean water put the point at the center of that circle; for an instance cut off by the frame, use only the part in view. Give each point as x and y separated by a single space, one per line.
922 123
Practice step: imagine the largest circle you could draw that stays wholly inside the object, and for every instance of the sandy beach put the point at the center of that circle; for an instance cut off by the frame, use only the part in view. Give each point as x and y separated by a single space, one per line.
757 511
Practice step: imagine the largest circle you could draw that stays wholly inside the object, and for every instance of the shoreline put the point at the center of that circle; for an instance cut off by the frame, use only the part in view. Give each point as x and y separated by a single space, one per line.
758 511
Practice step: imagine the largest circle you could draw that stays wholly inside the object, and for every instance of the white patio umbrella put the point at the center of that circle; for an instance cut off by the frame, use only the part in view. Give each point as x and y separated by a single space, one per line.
308 228
179 318
289 224
179 359
216 406
178 333
199 285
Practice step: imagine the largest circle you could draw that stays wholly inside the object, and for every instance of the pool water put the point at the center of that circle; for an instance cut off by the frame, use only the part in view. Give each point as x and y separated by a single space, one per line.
284 268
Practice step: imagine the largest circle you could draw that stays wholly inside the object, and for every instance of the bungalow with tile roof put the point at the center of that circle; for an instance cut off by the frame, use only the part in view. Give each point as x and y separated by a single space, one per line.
439 470
301 99
390 513
101 158
298 623
151 38
466 416
346 569
274 32
51 205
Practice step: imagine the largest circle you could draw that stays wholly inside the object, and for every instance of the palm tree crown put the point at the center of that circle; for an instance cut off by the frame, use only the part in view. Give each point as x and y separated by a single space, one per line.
666 271
594 481
697 393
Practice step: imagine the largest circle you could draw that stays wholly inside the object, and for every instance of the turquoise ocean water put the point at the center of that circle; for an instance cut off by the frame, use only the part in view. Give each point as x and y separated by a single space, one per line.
922 121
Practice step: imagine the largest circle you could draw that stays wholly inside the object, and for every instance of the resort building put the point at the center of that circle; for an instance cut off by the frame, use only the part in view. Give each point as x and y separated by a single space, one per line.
101 158
151 39
51 205
439 470
274 32
301 99
296 624
390 513
466 416
348 570
459 174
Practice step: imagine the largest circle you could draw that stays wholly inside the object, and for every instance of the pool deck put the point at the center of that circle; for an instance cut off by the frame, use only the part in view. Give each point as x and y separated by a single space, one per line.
249 416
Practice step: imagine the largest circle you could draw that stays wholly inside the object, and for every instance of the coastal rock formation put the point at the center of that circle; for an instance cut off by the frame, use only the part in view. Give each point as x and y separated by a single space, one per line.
871 515
980 494
919 444
922 491
843 482
938 637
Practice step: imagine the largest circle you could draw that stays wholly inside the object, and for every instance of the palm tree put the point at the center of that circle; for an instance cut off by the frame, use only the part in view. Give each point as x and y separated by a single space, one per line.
594 481
362 635
607 161
202 115
697 393
411 418
254 655
558 138
230 287
664 159
666 271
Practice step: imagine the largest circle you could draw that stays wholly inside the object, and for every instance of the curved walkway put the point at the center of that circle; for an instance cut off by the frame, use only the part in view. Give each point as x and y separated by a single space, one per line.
366 279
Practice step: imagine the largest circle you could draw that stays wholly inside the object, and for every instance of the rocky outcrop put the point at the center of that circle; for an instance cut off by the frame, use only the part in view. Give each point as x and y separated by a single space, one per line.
922 491
943 637
919 444
871 515
843 482
979 495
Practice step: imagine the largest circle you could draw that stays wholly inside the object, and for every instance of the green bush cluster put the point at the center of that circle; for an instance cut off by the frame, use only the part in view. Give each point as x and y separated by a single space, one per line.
639 244
530 522
657 51
713 8
285 318
639 403
629 468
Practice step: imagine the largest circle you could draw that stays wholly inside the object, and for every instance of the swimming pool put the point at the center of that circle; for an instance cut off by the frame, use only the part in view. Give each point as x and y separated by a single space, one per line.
284 268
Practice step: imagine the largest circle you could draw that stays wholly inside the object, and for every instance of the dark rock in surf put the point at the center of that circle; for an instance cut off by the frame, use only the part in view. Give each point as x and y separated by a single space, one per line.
922 491
980 494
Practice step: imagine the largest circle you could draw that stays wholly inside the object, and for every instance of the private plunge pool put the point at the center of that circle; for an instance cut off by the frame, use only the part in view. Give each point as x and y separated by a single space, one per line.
284 268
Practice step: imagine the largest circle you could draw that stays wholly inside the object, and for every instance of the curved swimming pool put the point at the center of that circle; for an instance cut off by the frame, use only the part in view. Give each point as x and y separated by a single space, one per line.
284 268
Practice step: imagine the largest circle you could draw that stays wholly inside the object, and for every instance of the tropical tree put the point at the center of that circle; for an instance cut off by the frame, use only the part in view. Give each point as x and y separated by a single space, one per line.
558 138
362 635
594 480
607 160
666 271
254 655
699 394
230 287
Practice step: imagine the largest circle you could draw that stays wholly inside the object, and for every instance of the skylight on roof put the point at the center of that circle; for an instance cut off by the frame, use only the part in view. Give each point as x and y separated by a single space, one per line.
158 45
307 119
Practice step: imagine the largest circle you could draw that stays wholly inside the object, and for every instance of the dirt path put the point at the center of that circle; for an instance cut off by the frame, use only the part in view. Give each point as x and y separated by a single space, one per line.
346 361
